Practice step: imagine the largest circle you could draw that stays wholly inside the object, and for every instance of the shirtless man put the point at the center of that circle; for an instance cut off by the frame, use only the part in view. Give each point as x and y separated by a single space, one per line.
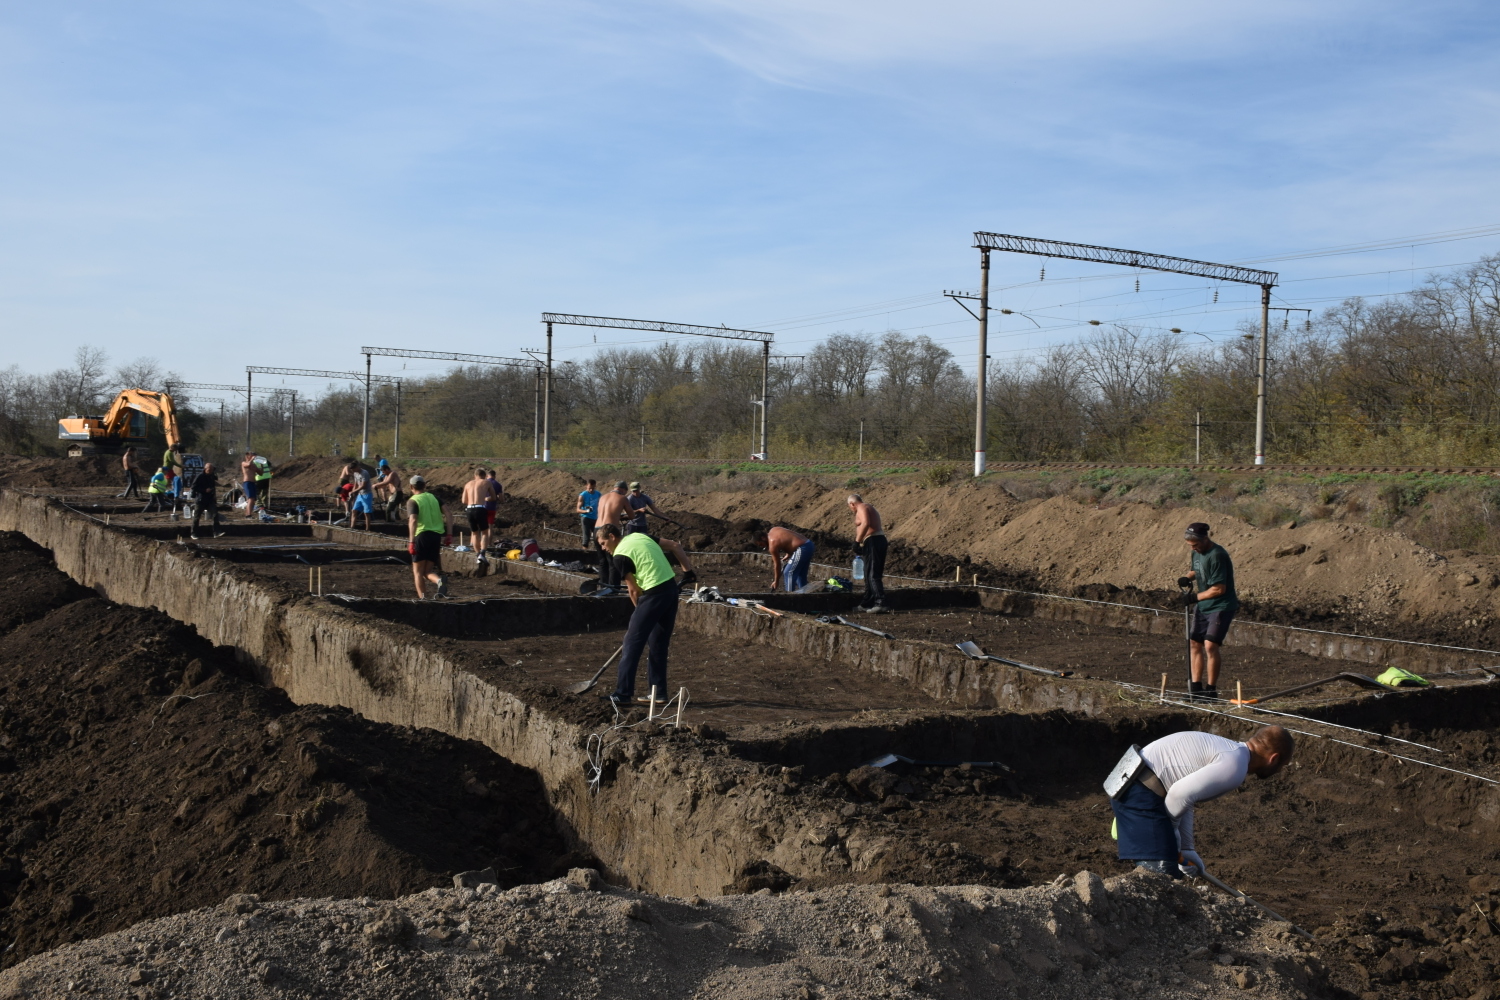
127 465
479 493
791 557
869 535
247 482
388 488
615 508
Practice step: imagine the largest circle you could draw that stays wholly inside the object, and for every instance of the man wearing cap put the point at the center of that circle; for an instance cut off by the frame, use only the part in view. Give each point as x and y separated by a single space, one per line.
1153 791
643 566
640 504
425 527
1212 603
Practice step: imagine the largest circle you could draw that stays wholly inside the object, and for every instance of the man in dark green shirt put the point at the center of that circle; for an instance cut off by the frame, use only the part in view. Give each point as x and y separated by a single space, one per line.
1212 603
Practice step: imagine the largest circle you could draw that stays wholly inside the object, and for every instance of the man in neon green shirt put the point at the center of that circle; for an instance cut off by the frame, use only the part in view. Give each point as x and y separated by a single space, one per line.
425 528
643 566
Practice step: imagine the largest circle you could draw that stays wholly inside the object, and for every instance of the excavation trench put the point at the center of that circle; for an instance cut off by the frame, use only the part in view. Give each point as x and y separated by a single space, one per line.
767 786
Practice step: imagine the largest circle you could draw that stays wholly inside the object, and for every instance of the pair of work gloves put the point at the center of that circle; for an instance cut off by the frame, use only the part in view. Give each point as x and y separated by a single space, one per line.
1190 864
1191 596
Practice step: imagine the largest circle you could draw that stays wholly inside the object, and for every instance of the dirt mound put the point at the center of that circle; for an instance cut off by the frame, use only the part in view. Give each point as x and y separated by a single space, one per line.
1079 937
65 473
32 584
144 776
1337 572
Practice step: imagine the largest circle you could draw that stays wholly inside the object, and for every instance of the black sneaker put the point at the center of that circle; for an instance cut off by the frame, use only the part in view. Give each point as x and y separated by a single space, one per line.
1195 690
1209 693
442 590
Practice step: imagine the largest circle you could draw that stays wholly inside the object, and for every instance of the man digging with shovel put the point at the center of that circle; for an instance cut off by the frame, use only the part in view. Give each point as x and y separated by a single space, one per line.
643 566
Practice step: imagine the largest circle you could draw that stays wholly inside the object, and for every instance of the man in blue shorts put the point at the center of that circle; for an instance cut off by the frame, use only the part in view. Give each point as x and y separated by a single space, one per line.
1212 603
362 479
791 557
588 512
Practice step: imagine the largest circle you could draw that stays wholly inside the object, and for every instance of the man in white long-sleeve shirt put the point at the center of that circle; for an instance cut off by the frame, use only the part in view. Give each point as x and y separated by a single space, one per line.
1154 814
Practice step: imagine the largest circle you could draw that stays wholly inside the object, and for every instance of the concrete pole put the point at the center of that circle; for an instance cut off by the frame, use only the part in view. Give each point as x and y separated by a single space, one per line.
547 403
1197 437
1260 375
980 426
536 419
249 398
765 396
364 442
291 441
396 442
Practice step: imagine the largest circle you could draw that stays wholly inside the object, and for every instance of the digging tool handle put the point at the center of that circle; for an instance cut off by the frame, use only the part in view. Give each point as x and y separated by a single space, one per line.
581 688
667 519
1235 892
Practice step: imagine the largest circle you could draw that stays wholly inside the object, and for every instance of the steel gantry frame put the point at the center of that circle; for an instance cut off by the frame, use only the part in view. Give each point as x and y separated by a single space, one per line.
291 443
364 448
986 242
402 352
660 326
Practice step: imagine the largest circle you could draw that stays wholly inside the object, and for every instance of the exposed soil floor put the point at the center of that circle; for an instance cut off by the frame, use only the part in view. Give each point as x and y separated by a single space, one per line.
1378 856
729 683
142 774
1111 653
388 579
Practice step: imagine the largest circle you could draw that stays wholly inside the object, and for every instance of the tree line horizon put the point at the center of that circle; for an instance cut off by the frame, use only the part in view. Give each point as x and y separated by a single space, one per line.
1412 378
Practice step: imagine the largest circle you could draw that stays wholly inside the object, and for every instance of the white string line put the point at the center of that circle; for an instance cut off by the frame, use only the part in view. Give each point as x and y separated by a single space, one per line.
1323 736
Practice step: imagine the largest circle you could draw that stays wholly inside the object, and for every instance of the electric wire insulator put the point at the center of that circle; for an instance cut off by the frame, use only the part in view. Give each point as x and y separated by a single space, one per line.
1216 295
1044 274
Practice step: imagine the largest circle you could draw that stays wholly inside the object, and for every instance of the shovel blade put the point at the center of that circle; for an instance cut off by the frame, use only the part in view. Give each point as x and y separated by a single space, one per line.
970 650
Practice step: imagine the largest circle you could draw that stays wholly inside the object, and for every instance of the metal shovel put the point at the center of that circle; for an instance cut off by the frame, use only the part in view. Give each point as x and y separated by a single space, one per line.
973 652
583 686
841 620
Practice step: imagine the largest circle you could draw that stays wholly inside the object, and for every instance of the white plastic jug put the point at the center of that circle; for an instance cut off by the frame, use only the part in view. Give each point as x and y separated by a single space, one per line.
859 567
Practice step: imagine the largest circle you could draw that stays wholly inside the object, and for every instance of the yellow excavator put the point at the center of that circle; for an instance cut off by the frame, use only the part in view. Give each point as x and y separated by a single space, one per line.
125 423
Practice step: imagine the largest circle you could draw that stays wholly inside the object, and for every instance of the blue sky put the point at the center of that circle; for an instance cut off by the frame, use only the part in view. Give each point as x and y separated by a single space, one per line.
279 183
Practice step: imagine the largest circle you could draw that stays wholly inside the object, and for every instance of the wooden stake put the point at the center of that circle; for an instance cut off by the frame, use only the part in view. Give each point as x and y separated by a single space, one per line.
320 581
1239 695
1163 695
976 579
651 705
681 704
956 577
309 579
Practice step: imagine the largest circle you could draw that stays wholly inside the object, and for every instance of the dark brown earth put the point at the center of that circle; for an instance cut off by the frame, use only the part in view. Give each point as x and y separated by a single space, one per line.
1378 856
1111 653
730 683
141 774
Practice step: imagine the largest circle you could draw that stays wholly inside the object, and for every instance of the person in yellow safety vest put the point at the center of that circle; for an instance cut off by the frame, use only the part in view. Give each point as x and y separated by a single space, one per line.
643 566
156 492
262 481
425 529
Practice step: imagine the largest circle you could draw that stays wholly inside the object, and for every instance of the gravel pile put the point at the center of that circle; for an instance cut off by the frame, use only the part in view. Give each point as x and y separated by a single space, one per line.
1135 935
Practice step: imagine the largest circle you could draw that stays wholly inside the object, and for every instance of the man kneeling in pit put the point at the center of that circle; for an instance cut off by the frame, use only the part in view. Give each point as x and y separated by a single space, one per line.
1153 791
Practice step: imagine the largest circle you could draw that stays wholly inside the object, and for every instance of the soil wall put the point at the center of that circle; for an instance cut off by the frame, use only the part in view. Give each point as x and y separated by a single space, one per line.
659 821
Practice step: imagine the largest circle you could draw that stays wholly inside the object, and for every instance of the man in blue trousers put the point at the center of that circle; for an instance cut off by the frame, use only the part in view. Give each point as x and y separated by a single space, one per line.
1153 791
643 566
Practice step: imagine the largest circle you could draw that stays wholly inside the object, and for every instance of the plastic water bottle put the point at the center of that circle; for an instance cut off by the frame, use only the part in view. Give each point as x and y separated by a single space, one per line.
859 567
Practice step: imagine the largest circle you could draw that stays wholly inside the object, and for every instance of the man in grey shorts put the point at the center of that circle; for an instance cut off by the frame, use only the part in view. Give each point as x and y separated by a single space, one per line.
1212 601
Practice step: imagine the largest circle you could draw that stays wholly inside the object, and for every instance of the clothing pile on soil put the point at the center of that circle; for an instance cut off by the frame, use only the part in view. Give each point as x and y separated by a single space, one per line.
575 938
142 774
